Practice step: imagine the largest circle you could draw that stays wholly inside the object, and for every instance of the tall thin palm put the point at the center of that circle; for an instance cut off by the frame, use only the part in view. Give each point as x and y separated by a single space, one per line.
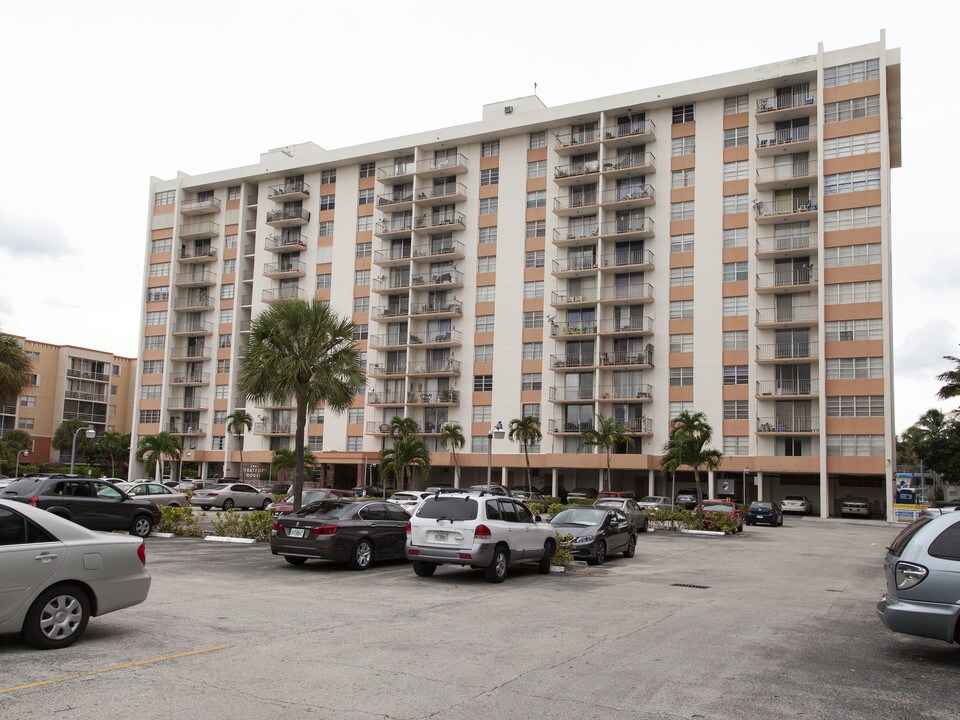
607 435
407 452
152 449
950 380
526 431
451 436
14 369
306 351
400 426
690 433
237 422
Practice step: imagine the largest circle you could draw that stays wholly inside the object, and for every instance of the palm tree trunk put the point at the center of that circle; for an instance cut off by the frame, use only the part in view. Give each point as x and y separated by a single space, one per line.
298 450
696 480
526 455
609 484
456 467
240 474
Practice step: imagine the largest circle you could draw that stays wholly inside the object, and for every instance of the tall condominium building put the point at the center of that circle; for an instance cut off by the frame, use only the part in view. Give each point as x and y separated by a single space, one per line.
719 245
70 383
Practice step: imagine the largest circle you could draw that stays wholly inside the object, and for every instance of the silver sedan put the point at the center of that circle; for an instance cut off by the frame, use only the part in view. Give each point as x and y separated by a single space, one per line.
56 574
229 496
155 493
635 514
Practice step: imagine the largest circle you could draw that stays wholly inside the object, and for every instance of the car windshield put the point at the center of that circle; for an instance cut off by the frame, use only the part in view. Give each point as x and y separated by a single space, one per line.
219 486
326 508
796 498
448 507
403 496
612 503
585 517
718 508
651 499
760 506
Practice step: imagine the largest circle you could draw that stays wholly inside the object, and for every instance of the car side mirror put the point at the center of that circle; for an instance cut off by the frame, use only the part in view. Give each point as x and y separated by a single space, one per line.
537 518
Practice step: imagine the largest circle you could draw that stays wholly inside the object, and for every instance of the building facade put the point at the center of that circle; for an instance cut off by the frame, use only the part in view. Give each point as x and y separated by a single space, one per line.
70 383
718 245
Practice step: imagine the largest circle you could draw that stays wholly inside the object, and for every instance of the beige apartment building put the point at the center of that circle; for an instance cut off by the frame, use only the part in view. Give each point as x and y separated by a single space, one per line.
70 383
720 245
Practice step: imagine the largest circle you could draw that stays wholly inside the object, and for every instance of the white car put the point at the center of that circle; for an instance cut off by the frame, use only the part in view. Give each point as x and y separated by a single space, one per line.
56 574
408 500
155 493
796 504
229 496
478 530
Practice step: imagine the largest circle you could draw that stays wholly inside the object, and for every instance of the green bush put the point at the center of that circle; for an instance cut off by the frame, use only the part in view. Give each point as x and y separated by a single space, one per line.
255 524
179 521
580 501
535 508
719 522
563 555
554 508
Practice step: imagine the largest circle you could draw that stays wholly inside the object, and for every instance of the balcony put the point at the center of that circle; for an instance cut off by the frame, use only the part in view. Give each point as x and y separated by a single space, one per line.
248 275
638 426
288 217
387 341
787 106
193 328
788 140
587 203
797 425
283 294
200 207
573 361
449 309
771 212
249 249
396 227
802 173
398 171
190 352
285 269
627 358
578 173
441 397
390 369
189 378
629 197
187 403
796 316
575 266
632 294
244 326
626 393
779 389
627 260
184 430
578 143
389 313
250 226
393 257
287 242
197 254
193 303
246 301
797 243
569 427
629 327
377 397
290 190
276 429
577 329
199 230
581 298
633 165
85 396
449 368
436 167
440 250
391 283
449 278
447 338
196 278
572 394
86 416
395 201
87 375
447 193
787 352
444 221
283 404
576 234
628 228
787 281
635 132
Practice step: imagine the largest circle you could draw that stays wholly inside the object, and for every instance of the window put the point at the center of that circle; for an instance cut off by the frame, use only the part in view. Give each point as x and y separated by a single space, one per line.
735 237
854 368
490 176
849 145
735 204
682 178
325 228
735 271
365 223
734 137
222 392
150 392
851 73
225 341
735 340
487 264
360 331
735 375
328 202
315 443
154 342
230 242
115 370
678 407
681 276
152 367
490 148
851 109
484 323
683 114
218 442
161 246
737 170
681 243
328 177
226 291
681 376
165 197
223 366
735 305
488 206
158 294
737 104
533 319
681 309
361 277
736 445
35 380
532 350
158 317
226 316
368 169
736 410
855 445
851 218
482 413
855 292
487 235
354 443
683 146
32 356
361 304
530 410
852 330
149 416
482 383
483 353
533 259
533 289
681 210
316 416
537 140
537 169
364 249
486 293
324 254
323 281
855 406
355 415
229 266
531 381
479 444
160 269
537 199
536 228
681 342
113 389
856 181
851 255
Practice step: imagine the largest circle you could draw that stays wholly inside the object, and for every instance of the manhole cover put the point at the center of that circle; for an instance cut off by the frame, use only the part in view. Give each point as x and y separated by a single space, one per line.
688 585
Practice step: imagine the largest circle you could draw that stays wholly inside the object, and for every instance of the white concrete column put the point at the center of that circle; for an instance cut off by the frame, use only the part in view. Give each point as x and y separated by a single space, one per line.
651 479
710 484
503 476
554 486
824 490
759 486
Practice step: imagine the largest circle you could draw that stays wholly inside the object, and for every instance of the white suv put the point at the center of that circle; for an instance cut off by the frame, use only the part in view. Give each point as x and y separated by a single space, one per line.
477 530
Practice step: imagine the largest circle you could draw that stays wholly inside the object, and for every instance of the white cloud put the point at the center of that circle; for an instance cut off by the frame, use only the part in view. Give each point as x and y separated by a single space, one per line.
23 236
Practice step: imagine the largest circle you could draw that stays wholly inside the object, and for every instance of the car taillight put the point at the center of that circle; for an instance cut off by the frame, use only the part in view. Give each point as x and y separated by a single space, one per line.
482 531
212 494
323 530
408 527
277 527
142 553
35 501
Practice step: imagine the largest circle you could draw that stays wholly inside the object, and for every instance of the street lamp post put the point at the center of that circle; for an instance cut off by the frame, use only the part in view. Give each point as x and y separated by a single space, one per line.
746 471
91 434
496 431
16 473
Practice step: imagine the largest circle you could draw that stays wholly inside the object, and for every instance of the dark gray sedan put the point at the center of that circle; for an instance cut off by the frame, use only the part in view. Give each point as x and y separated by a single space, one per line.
631 508
597 532
355 532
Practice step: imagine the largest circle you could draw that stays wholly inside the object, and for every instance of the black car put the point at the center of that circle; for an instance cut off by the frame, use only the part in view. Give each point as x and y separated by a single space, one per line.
764 512
686 498
597 532
94 504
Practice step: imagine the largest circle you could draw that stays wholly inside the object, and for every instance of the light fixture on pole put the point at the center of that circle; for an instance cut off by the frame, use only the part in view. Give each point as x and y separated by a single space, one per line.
496 432
746 471
91 434
16 473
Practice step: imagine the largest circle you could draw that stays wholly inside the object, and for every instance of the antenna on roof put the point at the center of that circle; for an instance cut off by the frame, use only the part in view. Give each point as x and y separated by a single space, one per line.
534 88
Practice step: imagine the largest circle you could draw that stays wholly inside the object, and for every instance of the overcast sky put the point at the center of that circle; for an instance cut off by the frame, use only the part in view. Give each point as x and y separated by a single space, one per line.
99 96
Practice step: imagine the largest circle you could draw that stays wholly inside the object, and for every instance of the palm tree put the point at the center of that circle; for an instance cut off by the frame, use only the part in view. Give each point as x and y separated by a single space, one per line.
238 421
14 369
306 351
113 446
63 438
690 433
13 442
286 459
607 435
452 436
950 379
152 449
408 452
400 426
526 431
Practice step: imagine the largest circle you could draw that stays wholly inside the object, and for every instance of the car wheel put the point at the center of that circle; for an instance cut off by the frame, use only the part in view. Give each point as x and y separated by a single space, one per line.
294 560
601 554
740 527
173 505
545 561
141 526
265 504
424 569
204 507
496 571
362 555
228 504
631 547
646 523
56 618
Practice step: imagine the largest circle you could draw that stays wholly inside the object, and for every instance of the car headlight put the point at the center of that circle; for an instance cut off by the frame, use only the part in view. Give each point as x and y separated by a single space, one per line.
909 575
584 539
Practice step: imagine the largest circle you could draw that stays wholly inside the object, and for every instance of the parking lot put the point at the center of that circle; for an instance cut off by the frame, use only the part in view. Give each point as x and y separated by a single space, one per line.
781 623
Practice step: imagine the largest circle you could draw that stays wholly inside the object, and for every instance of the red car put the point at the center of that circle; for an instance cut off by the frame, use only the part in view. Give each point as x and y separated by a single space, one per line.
309 496
712 506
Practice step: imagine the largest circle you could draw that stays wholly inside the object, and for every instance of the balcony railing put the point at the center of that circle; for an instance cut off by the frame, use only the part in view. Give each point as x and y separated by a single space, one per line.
787 278
446 367
573 360
628 226
572 202
571 394
441 192
204 277
85 415
586 295
433 398
629 129
389 368
186 352
787 350
577 169
193 302
187 403
452 164
292 216
390 311
569 426
631 325
453 306
444 219
284 293
398 169
787 136
395 198
785 206
633 291
438 248
396 225
577 232
88 396
292 187
573 264
786 101
277 428
629 193
197 253
286 241
784 243
796 169
564 329
636 426
377 397
285 268
622 258
206 229
392 255
581 137
391 282
796 424
443 278
176 428
628 162
774 388
626 357
387 340
88 375
626 391
198 207
193 328
437 338
797 313
189 378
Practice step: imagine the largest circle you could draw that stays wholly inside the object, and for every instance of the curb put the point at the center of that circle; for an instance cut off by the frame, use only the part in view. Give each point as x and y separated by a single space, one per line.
162 535
714 533
221 538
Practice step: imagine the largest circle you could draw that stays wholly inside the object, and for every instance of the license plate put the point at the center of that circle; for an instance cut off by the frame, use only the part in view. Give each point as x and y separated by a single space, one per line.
295 532
441 536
